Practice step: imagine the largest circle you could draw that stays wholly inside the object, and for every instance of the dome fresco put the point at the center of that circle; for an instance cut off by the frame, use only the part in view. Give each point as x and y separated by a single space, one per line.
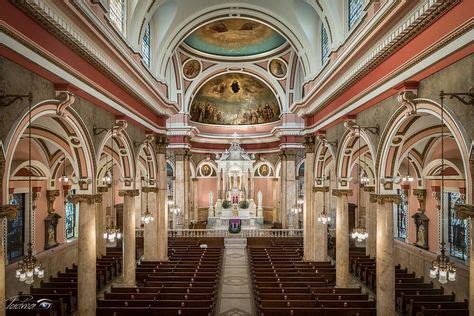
234 38
234 99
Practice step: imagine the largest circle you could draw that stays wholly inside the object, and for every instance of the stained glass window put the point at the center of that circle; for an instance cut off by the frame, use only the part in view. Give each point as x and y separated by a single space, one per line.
71 219
402 216
355 11
16 229
146 46
457 229
117 13
324 45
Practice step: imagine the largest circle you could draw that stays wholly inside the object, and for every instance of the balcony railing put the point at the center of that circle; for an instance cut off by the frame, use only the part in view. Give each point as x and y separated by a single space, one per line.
225 233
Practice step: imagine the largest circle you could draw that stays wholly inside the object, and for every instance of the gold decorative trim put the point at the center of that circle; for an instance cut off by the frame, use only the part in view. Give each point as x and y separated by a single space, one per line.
323 189
85 198
102 189
369 189
342 192
131 193
150 190
385 198
464 211
9 211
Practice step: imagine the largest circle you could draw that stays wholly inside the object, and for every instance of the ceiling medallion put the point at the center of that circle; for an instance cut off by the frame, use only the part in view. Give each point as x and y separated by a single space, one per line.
278 68
191 69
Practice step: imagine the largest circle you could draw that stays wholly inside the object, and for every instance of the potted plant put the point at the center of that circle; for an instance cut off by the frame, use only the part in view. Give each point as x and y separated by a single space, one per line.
226 204
244 204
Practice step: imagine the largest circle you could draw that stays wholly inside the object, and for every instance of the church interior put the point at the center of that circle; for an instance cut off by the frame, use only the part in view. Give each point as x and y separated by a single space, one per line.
254 157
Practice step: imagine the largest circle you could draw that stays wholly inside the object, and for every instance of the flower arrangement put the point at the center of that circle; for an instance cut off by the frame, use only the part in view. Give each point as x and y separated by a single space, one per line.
226 204
244 204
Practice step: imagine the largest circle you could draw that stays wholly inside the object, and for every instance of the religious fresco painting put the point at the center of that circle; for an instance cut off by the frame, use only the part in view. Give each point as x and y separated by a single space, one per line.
278 68
191 68
235 38
234 99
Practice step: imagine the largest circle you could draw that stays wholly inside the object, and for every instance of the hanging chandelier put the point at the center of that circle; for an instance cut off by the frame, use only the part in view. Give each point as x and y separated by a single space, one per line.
147 217
408 177
324 217
364 180
359 233
112 234
64 178
29 267
442 268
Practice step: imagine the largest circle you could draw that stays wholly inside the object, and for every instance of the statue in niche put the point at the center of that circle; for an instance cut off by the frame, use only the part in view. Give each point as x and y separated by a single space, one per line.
421 223
51 223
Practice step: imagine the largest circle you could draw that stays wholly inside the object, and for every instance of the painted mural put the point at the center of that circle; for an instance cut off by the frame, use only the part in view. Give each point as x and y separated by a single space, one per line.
234 99
234 37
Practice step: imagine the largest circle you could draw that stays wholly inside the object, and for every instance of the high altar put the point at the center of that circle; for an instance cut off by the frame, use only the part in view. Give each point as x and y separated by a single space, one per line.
234 203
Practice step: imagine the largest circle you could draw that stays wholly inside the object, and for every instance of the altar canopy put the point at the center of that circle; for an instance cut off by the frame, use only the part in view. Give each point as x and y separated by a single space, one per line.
234 196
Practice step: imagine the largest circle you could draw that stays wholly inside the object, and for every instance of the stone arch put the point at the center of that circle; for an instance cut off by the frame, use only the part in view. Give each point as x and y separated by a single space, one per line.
398 125
78 140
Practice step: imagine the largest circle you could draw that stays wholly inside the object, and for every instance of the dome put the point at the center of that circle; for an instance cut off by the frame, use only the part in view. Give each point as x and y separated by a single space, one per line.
234 38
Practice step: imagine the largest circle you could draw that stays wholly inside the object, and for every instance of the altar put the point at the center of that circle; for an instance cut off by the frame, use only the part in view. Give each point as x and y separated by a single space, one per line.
234 200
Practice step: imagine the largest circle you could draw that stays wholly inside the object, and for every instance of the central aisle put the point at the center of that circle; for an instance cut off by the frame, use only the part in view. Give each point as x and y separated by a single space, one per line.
235 294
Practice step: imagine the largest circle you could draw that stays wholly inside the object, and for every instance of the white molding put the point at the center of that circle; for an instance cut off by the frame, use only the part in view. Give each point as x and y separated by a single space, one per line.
21 49
440 54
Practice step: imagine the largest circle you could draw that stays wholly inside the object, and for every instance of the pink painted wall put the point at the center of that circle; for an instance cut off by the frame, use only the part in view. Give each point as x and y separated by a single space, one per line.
205 185
264 185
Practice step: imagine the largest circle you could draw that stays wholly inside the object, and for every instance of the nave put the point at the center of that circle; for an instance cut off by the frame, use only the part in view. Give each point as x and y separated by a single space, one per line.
222 157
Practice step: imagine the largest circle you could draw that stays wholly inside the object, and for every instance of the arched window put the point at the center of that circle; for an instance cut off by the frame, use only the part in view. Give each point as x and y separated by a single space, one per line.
117 13
71 219
324 45
355 8
146 50
16 229
402 216
458 235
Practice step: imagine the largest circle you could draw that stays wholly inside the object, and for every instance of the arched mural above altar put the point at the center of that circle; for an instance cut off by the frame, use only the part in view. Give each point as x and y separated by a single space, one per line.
234 38
234 99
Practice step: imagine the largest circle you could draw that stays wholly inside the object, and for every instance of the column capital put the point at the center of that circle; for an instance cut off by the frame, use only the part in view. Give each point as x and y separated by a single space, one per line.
131 193
51 195
102 189
385 198
8 210
161 143
85 198
275 179
369 189
150 190
341 192
321 189
464 211
310 144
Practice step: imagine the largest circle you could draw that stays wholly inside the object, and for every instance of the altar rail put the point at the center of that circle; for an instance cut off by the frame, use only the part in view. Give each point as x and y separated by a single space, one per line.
225 233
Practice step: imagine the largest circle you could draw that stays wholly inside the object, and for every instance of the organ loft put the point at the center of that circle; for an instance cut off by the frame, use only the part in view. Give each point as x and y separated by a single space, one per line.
264 158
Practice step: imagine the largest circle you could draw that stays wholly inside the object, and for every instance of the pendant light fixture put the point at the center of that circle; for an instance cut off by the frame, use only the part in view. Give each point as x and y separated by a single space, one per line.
324 217
64 178
408 178
147 217
112 233
29 267
359 233
442 268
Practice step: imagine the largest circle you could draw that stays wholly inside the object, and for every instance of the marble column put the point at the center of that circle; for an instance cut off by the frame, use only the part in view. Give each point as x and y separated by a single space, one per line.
187 186
320 243
86 261
466 211
7 211
308 211
371 222
129 249
100 224
195 199
384 258
275 199
162 201
288 184
342 237
282 215
219 189
150 250
180 188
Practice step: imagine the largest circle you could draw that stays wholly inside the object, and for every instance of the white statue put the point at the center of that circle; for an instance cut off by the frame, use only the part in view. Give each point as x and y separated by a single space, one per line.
211 200
259 200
